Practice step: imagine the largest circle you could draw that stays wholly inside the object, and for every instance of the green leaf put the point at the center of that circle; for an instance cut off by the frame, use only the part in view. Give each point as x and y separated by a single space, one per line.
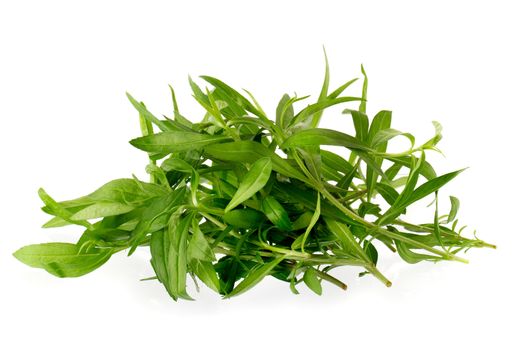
319 136
312 281
176 114
371 251
125 191
402 201
425 170
364 95
311 156
431 144
244 218
147 114
412 257
432 186
284 112
199 248
305 116
157 208
275 212
437 231
313 221
59 210
176 164
324 92
360 124
454 207
302 221
255 179
386 135
255 276
341 88
233 94
206 273
381 121
421 192
102 209
335 162
347 239
175 141
158 259
250 151
175 247
387 192
63 259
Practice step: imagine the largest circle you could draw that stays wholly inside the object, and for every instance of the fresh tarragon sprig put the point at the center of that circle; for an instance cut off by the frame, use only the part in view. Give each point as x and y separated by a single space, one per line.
239 196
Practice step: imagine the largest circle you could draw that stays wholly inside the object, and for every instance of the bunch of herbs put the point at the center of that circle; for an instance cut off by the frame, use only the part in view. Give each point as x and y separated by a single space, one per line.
239 196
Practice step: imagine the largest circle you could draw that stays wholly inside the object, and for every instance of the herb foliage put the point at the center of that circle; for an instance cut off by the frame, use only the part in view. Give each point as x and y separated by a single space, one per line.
237 197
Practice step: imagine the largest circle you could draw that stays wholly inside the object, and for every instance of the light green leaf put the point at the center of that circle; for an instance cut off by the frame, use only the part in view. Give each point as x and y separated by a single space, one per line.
175 141
175 246
102 209
412 257
360 124
324 92
63 259
319 136
233 94
347 239
199 248
206 273
364 95
305 116
57 209
454 207
386 135
147 114
284 112
313 221
342 88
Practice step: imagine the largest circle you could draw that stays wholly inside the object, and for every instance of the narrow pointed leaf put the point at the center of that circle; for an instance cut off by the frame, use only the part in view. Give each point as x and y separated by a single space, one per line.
255 179
255 276
312 281
175 141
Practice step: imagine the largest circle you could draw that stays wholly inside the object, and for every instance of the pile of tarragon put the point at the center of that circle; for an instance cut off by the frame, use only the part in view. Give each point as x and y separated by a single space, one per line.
239 196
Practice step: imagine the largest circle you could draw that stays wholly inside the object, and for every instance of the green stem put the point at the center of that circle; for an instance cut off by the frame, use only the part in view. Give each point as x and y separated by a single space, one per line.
331 279
387 233
419 228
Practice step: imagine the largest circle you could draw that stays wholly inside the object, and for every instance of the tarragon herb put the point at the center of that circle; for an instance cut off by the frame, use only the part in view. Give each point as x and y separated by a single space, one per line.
237 197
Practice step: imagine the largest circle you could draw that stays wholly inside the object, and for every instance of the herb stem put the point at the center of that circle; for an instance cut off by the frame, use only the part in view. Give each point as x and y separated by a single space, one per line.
387 233
331 279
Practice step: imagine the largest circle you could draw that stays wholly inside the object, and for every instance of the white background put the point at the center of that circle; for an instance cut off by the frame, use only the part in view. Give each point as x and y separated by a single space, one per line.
65 125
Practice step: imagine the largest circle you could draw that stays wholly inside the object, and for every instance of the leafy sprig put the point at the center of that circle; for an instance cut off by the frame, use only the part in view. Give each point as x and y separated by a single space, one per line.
237 197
